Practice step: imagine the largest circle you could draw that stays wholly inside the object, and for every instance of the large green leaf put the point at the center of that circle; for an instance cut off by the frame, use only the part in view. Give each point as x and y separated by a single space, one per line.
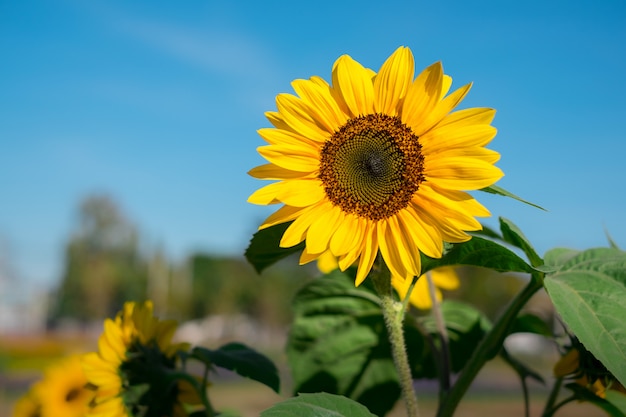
479 252
264 249
588 290
317 405
242 360
338 343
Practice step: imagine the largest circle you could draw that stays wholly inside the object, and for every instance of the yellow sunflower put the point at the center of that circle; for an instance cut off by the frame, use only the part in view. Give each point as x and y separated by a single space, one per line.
28 405
376 162
581 366
61 392
444 278
134 352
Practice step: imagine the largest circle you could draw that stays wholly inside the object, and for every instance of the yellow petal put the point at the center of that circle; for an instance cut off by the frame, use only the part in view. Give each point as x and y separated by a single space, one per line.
445 278
450 137
296 232
390 251
354 83
291 157
287 137
367 254
297 193
469 117
422 96
347 236
273 172
423 230
393 80
282 215
473 152
438 113
277 120
322 229
458 173
327 262
297 115
321 102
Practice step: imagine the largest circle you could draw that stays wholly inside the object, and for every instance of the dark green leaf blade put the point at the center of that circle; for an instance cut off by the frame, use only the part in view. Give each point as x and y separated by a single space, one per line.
317 405
479 252
513 235
242 360
264 249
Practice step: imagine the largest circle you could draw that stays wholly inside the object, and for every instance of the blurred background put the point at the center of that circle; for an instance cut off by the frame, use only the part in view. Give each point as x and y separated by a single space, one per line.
127 129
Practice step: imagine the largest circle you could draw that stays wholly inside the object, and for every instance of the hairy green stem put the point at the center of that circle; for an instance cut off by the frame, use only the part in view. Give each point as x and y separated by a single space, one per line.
488 347
393 313
442 332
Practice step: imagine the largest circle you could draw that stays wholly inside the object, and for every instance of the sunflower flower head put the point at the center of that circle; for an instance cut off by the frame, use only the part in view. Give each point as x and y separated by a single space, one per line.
131 372
376 162
61 392
579 365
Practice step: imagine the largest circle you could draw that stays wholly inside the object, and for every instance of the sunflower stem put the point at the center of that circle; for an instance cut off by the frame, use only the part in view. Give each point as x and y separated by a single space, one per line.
488 347
393 313
444 349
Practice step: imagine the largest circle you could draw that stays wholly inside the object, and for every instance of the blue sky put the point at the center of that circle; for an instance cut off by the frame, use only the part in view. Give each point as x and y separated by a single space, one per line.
157 104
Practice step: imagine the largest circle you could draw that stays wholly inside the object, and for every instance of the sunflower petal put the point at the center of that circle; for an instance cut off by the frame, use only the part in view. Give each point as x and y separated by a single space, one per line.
354 83
457 173
296 115
393 80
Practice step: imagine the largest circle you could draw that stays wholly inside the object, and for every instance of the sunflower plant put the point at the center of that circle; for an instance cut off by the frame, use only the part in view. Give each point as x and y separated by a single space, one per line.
377 177
372 174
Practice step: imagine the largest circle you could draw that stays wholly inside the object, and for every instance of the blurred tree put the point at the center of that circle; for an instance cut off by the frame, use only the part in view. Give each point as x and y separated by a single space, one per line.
103 265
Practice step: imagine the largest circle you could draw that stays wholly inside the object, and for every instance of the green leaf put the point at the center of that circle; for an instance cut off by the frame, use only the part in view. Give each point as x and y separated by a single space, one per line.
242 360
264 249
530 323
584 394
558 256
588 291
494 189
338 343
513 235
317 405
479 252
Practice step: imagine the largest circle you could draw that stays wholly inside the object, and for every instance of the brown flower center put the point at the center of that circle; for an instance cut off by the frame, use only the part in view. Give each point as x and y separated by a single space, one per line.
372 166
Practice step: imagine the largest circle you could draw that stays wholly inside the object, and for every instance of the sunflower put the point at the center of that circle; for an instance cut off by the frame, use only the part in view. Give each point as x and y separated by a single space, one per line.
28 405
130 370
61 392
444 278
376 162
579 365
